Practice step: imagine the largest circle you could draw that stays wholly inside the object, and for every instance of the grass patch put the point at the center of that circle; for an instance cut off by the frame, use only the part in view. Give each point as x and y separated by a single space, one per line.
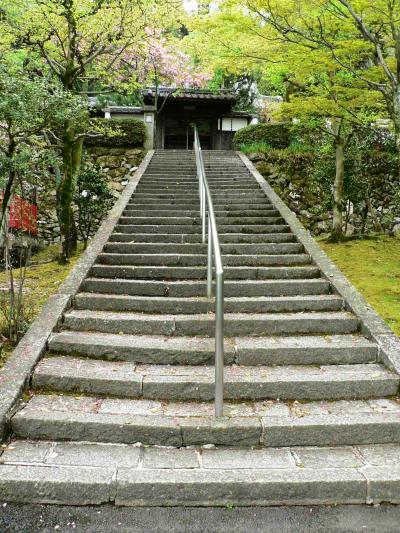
373 266
43 278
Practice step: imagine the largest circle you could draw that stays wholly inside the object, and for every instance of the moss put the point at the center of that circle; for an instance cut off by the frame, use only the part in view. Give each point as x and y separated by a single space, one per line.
373 266
43 278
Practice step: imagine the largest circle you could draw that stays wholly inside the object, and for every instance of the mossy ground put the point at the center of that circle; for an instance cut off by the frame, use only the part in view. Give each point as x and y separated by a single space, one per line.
373 266
43 278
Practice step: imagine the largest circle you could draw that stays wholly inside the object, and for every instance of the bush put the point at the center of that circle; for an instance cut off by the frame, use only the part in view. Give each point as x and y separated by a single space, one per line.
274 135
92 198
118 133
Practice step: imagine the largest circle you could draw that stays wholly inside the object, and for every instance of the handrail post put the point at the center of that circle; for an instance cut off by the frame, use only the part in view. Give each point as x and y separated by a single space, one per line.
219 345
203 213
209 259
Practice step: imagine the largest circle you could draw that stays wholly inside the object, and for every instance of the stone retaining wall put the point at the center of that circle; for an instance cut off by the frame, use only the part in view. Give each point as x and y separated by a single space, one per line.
118 163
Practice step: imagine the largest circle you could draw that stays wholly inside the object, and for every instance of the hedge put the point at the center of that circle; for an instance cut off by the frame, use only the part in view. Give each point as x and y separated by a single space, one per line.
275 135
122 133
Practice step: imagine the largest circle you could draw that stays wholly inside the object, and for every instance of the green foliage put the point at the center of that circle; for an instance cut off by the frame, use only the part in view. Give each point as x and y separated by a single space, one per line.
274 135
118 133
92 198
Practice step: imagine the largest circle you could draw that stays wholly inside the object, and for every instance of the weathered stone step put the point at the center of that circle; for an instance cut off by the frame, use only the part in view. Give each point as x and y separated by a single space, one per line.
198 288
177 182
232 195
235 324
181 238
155 382
190 221
193 189
180 259
184 424
252 351
194 213
161 304
171 247
223 228
218 199
132 475
199 272
174 206
197 383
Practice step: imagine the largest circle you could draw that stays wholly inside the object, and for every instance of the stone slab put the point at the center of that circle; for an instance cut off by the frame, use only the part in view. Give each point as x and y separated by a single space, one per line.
56 485
238 487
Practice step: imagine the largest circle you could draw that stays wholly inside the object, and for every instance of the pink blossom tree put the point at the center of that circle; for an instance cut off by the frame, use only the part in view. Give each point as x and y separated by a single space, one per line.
160 63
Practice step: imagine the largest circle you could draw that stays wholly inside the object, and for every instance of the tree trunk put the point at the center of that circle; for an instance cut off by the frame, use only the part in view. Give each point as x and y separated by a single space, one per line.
5 203
337 221
396 120
71 160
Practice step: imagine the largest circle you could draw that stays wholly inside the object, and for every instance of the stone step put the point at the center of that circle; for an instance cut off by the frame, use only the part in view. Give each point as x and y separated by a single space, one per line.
194 184
200 273
178 259
252 351
171 247
194 213
222 228
132 475
195 206
234 194
155 382
268 424
215 187
195 221
189 203
235 324
163 305
218 199
236 239
185 288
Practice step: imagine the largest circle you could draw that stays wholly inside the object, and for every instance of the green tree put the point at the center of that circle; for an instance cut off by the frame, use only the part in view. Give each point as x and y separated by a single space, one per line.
30 106
79 40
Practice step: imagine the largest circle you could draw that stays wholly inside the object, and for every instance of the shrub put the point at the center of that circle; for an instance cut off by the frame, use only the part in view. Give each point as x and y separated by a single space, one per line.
92 198
274 135
118 133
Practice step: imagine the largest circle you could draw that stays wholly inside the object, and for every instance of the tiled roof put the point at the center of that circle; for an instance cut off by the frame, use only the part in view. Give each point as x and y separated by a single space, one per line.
191 94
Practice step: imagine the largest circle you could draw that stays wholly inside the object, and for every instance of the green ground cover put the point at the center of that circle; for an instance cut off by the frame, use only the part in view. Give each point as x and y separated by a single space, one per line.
373 266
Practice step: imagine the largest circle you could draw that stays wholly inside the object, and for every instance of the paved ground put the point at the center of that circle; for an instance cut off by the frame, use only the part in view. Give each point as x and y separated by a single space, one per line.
108 519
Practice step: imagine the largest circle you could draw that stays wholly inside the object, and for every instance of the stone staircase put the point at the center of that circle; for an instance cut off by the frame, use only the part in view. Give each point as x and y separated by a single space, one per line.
121 406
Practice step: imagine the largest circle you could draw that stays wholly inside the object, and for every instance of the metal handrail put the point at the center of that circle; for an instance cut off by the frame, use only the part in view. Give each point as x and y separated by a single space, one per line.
209 233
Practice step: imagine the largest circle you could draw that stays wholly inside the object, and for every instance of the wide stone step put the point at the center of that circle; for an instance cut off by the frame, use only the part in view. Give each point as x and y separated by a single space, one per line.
200 273
240 324
227 249
181 238
252 351
155 382
201 260
220 477
222 228
195 206
198 288
161 304
181 220
194 213
132 475
218 199
271 424
232 196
